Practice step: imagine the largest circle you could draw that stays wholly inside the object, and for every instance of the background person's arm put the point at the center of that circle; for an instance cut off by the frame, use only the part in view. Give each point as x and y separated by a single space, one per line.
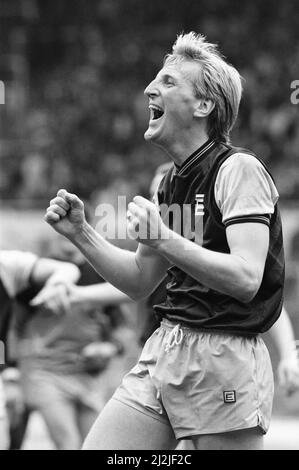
54 277
16 269
282 334
96 295
48 271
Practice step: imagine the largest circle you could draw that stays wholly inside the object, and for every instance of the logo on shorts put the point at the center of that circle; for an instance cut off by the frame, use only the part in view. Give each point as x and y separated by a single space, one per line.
229 396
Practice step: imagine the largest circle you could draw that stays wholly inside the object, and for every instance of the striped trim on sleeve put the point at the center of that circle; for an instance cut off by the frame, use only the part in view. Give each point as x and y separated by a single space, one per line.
257 218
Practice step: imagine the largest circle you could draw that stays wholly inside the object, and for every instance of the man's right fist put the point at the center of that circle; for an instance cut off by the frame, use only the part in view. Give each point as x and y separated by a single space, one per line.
66 213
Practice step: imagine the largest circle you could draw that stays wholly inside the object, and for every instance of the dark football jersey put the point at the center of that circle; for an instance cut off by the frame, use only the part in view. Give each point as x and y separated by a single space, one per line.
192 189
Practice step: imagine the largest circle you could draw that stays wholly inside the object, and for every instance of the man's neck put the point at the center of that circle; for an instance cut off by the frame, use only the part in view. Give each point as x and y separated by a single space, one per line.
180 151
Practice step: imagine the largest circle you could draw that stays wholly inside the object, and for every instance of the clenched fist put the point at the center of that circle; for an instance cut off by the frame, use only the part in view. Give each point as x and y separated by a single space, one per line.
66 214
144 222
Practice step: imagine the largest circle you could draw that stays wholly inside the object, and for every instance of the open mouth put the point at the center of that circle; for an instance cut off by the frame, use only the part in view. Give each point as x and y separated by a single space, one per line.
155 112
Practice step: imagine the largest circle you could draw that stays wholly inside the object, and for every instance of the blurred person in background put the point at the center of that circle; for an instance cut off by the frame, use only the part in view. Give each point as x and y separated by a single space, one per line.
60 358
283 337
18 271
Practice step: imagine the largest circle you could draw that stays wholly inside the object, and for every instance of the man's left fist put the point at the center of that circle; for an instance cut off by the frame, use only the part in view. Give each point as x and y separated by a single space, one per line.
144 222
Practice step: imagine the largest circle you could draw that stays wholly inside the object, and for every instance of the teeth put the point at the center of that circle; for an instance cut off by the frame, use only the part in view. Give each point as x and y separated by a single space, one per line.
154 106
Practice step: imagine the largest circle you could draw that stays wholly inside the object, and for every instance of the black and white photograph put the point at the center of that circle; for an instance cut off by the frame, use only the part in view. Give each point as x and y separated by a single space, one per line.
149 228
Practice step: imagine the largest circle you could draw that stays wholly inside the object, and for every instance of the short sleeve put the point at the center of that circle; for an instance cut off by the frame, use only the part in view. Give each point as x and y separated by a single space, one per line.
15 270
244 190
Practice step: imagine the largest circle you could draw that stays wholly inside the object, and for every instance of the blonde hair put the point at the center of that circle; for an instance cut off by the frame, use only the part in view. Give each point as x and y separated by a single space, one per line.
217 80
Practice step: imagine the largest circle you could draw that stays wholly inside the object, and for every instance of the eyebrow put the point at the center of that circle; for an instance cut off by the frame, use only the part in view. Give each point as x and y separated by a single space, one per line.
167 75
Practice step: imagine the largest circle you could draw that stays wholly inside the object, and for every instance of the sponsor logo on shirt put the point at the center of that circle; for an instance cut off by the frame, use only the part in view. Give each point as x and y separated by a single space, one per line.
199 204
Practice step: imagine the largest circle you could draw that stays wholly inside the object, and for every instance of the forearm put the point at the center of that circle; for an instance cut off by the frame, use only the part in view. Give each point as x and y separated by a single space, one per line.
225 273
51 272
115 265
97 295
283 335
69 274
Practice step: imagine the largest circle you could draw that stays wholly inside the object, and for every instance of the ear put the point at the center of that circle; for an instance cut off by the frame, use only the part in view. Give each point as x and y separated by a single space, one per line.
204 108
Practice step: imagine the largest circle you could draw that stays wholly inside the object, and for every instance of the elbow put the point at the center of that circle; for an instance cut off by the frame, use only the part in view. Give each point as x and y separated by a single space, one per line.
140 293
136 296
247 292
74 272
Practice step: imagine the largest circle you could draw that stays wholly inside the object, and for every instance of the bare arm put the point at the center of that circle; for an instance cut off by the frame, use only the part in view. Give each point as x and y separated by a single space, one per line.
54 277
282 334
237 274
49 271
96 295
135 274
